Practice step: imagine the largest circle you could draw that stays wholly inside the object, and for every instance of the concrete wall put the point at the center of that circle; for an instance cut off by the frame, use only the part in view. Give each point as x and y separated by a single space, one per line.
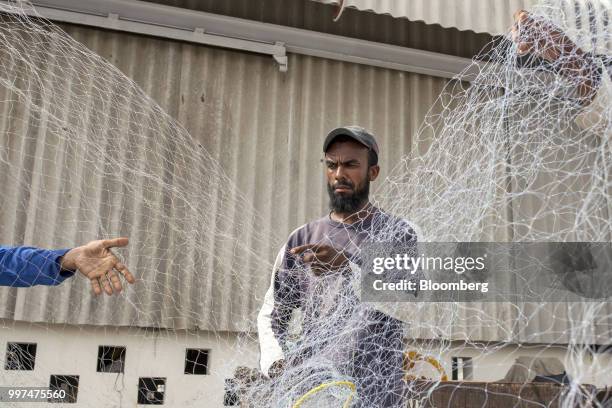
72 350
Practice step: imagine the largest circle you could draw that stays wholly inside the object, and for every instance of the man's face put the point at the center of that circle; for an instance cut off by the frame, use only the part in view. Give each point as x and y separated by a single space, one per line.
348 176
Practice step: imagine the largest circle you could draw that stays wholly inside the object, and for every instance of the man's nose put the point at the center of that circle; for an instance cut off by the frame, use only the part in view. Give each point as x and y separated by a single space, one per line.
340 173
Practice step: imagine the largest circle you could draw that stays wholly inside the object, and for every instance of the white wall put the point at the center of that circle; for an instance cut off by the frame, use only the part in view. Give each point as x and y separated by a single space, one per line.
71 350
585 367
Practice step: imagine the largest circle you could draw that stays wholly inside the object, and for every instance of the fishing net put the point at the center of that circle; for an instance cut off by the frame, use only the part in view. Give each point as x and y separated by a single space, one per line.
518 150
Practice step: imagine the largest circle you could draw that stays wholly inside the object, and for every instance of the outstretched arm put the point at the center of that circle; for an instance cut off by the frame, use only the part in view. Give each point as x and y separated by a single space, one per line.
27 266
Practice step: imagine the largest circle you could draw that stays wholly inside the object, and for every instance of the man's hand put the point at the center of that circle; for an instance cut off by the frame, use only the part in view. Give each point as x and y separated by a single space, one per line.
542 38
322 258
533 34
96 261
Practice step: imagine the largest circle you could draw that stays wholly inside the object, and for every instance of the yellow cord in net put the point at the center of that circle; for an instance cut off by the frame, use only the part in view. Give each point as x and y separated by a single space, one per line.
323 386
410 359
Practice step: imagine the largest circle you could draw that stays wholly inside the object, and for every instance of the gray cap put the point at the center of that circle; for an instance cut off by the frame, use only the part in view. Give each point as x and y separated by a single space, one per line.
356 133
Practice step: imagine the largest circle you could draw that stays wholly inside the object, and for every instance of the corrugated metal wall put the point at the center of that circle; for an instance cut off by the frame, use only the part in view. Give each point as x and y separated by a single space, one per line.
310 15
493 16
581 18
266 130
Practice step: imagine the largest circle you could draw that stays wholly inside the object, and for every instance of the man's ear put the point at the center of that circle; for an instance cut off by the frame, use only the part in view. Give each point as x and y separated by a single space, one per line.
373 172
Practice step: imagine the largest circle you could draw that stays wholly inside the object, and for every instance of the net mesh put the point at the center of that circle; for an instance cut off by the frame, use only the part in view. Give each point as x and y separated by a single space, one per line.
519 153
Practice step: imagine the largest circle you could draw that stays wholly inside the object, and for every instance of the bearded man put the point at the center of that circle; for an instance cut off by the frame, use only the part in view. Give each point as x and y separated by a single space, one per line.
326 252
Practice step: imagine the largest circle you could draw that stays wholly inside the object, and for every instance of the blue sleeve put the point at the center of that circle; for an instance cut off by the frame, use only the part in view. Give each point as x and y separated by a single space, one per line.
27 266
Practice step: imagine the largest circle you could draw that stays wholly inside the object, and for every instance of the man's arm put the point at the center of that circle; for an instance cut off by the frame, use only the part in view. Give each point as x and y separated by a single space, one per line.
273 319
27 266
590 73
540 37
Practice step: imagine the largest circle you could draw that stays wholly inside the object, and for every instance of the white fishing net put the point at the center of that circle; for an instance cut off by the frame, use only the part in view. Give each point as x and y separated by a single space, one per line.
521 153
79 133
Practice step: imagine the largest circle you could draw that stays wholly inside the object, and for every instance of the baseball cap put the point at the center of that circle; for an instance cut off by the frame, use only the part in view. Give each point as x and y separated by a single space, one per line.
356 133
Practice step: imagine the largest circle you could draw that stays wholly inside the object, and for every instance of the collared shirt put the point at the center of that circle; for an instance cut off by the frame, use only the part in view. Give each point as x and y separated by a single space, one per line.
28 266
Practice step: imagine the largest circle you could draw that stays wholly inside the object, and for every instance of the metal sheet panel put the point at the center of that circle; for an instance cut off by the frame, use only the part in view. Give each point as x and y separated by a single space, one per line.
266 130
459 28
264 127
319 17
493 17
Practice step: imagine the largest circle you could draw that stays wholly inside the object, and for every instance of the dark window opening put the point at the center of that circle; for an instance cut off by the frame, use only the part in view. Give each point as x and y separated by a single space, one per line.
20 356
196 361
151 390
111 359
600 348
67 387
462 368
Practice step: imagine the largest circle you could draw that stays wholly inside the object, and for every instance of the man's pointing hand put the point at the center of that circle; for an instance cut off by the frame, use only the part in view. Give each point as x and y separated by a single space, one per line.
322 258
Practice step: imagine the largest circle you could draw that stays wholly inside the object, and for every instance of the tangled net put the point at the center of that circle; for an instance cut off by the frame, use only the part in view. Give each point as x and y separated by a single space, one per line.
81 134
522 153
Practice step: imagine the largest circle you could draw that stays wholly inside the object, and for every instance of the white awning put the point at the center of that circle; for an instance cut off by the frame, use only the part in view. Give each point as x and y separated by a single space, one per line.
481 16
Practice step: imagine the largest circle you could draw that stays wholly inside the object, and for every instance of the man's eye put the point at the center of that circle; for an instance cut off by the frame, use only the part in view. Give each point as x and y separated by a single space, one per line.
332 165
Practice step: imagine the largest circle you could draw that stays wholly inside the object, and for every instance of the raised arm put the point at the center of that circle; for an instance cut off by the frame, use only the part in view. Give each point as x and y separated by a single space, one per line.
538 36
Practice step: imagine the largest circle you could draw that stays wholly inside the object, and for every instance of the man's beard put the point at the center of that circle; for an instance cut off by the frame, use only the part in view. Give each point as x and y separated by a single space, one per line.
348 204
